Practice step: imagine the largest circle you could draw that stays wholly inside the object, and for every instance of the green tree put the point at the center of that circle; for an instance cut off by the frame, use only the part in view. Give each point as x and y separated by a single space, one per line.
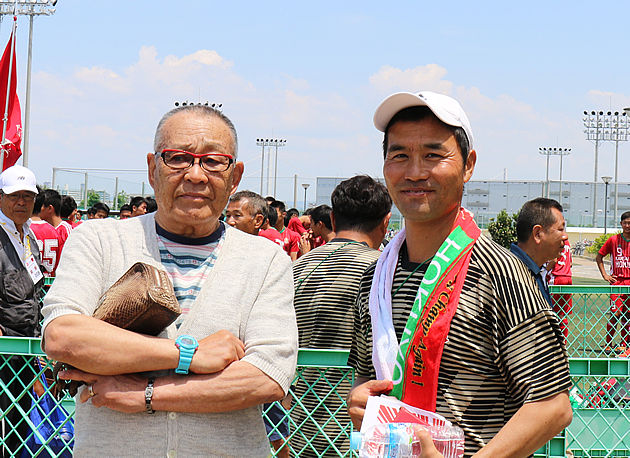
123 198
93 197
503 228
599 242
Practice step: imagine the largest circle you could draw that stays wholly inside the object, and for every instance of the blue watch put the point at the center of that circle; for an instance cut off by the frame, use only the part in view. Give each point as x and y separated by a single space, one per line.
187 346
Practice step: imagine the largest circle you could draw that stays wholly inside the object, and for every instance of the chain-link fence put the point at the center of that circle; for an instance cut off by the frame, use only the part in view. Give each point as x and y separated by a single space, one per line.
314 423
596 329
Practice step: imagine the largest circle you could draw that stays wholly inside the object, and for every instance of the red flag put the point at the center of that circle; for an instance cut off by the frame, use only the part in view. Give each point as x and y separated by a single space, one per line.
10 145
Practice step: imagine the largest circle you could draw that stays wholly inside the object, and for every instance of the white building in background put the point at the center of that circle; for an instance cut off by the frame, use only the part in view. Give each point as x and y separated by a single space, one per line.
487 198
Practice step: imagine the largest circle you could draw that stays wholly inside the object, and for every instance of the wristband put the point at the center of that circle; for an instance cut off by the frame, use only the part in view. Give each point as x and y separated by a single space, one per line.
148 395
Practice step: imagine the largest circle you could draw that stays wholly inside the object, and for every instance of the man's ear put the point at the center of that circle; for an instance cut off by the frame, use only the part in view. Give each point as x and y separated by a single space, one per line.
151 168
385 222
258 221
469 167
332 221
537 231
237 174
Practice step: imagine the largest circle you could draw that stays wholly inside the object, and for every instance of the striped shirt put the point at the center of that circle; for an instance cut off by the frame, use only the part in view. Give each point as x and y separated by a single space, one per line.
504 347
326 284
188 262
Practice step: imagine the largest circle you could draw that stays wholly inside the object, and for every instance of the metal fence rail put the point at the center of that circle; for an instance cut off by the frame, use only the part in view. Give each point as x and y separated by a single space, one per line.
315 417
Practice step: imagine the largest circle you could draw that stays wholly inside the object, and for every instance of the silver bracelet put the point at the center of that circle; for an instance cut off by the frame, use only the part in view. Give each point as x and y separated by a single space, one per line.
148 395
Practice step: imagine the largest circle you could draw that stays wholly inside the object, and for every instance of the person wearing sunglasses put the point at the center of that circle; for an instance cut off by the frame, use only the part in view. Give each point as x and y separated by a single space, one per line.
195 390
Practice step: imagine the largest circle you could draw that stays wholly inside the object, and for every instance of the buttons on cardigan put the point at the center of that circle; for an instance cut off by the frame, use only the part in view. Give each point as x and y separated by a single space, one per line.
172 415
172 453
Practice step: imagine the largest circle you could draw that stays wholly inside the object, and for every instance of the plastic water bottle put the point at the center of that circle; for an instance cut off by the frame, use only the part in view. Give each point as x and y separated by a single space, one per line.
398 440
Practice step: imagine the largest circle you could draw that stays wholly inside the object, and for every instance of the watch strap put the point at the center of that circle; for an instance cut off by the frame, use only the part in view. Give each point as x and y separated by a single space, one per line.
185 356
148 395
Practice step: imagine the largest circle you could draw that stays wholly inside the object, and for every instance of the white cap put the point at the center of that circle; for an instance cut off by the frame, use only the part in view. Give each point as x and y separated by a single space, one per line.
18 178
447 109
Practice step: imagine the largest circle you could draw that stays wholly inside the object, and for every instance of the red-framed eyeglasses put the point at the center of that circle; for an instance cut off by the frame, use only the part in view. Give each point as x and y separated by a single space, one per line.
183 160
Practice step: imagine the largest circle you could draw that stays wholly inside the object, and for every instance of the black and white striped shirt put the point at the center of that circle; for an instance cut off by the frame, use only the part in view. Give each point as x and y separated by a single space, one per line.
326 284
504 347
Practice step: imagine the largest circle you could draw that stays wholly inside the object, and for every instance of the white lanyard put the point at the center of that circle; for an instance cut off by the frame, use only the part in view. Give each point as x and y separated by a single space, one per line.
25 253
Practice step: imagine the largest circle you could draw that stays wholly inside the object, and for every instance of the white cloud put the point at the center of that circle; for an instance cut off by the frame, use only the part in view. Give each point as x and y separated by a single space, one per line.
428 77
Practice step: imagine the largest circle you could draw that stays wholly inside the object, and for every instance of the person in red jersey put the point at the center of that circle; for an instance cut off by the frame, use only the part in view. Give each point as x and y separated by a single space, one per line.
69 211
268 230
560 274
618 247
299 224
290 239
50 211
47 239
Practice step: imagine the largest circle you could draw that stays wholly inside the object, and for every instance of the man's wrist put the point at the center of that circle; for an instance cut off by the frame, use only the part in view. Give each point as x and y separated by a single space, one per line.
148 395
187 346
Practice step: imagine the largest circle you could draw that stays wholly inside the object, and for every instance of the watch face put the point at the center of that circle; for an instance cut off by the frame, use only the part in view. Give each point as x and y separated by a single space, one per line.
186 341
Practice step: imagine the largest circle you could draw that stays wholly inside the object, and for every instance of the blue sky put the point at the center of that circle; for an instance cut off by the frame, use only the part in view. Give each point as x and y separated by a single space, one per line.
313 73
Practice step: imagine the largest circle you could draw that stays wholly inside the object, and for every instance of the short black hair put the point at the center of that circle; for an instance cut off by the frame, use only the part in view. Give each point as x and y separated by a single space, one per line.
100 206
51 197
414 114
279 205
360 203
291 212
322 213
68 205
272 216
126 208
137 201
625 215
39 200
533 213
152 205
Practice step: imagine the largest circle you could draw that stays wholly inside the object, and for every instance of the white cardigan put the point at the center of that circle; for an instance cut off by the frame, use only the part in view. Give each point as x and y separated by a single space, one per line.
249 292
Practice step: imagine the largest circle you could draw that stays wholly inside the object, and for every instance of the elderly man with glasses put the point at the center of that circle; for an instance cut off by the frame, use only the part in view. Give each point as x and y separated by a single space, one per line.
195 390
21 281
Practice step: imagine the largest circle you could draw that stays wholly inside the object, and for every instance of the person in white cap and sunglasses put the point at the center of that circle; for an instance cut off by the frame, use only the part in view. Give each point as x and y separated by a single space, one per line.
447 320
21 281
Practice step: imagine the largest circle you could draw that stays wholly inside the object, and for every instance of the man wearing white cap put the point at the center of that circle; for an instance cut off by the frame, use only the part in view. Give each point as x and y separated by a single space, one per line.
459 326
21 280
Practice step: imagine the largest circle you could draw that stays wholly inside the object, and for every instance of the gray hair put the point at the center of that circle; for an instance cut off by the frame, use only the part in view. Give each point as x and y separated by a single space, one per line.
200 110
255 203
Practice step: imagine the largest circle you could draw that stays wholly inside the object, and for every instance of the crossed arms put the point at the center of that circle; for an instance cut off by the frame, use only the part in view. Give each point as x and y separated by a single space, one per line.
110 358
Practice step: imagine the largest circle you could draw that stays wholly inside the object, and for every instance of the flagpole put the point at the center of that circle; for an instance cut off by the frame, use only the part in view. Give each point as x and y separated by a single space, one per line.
5 119
16 8
27 111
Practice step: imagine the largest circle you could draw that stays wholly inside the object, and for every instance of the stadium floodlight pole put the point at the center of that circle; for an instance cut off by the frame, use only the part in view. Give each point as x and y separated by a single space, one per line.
29 8
305 186
606 180
276 143
555 152
616 127
546 151
594 130
262 142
